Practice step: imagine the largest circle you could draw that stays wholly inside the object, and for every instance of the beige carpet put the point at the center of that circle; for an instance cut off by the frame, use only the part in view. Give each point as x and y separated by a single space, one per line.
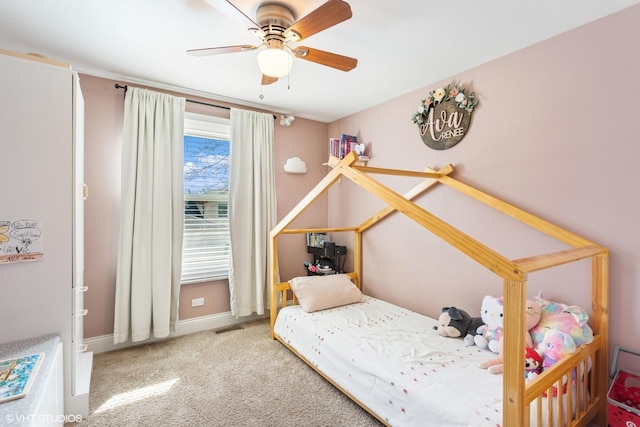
236 378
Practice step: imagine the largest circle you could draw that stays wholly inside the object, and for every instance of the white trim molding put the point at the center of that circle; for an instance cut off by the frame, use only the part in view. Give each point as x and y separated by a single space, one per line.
105 343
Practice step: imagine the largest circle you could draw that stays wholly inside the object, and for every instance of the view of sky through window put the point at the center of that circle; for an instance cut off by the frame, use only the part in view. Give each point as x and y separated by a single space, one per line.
206 165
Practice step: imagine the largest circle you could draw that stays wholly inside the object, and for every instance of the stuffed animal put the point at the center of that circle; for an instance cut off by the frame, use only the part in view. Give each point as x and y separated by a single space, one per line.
454 322
532 363
554 346
533 314
532 317
491 313
570 319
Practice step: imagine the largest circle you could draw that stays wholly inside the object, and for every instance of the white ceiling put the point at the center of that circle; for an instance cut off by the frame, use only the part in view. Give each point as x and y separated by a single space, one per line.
401 45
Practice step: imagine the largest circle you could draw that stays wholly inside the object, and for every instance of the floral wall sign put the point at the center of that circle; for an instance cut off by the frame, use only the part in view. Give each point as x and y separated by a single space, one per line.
444 116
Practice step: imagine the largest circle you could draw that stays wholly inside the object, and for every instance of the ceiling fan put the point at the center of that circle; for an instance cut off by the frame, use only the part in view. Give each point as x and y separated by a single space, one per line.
276 27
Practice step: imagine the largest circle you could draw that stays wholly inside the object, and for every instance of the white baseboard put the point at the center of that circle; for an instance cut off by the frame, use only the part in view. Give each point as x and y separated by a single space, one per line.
105 343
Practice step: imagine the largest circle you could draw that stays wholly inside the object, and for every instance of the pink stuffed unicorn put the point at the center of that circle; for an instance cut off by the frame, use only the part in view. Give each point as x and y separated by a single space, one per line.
570 319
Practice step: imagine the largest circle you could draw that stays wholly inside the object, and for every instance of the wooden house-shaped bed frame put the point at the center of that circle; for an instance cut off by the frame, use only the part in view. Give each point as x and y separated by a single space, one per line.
517 394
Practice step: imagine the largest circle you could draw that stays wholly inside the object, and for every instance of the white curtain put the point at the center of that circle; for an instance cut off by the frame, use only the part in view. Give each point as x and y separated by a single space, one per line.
252 210
151 220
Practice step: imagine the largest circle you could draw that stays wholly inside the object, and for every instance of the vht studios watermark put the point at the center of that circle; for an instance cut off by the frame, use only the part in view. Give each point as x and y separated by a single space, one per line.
42 418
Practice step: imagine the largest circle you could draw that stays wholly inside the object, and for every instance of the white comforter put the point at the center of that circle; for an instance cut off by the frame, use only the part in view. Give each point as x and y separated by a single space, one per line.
392 361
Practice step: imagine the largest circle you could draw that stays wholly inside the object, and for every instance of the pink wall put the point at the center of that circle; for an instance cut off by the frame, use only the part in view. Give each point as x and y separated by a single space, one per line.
104 109
555 134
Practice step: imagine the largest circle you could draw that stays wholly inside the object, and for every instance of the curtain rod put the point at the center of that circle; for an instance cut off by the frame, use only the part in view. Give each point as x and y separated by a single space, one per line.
125 87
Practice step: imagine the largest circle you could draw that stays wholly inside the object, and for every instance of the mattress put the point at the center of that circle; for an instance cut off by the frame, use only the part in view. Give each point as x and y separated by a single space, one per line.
391 360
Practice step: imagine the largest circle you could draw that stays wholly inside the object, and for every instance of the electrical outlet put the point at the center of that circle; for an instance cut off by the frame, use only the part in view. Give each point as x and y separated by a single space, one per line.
197 302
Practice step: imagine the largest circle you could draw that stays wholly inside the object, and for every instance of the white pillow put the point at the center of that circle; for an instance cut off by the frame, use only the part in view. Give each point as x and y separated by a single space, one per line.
321 292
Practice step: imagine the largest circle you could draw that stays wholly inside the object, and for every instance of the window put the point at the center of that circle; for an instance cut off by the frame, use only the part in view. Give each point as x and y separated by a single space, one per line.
205 249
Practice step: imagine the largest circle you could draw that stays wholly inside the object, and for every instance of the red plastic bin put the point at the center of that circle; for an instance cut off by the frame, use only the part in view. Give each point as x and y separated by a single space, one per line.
623 398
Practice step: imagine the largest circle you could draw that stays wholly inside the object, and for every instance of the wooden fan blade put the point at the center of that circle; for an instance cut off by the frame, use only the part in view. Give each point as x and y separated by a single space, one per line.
219 50
333 60
329 14
267 80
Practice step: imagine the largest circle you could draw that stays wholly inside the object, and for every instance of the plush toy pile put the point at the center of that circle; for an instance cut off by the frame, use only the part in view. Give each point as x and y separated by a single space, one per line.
555 330
494 307
562 328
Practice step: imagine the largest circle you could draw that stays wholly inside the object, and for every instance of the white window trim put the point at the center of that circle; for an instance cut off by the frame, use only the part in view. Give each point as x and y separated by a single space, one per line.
206 126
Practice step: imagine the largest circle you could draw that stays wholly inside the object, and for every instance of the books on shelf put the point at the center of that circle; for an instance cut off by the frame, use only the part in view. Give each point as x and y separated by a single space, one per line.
17 375
340 147
316 240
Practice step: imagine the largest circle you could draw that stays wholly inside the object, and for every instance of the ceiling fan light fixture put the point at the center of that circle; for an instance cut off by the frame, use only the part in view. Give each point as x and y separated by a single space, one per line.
276 25
275 62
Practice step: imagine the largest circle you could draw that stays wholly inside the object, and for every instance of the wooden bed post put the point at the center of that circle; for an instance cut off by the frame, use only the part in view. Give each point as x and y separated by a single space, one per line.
273 295
357 257
600 326
513 381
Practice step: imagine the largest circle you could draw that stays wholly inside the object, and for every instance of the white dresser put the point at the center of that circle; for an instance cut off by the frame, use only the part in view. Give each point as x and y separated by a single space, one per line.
41 158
